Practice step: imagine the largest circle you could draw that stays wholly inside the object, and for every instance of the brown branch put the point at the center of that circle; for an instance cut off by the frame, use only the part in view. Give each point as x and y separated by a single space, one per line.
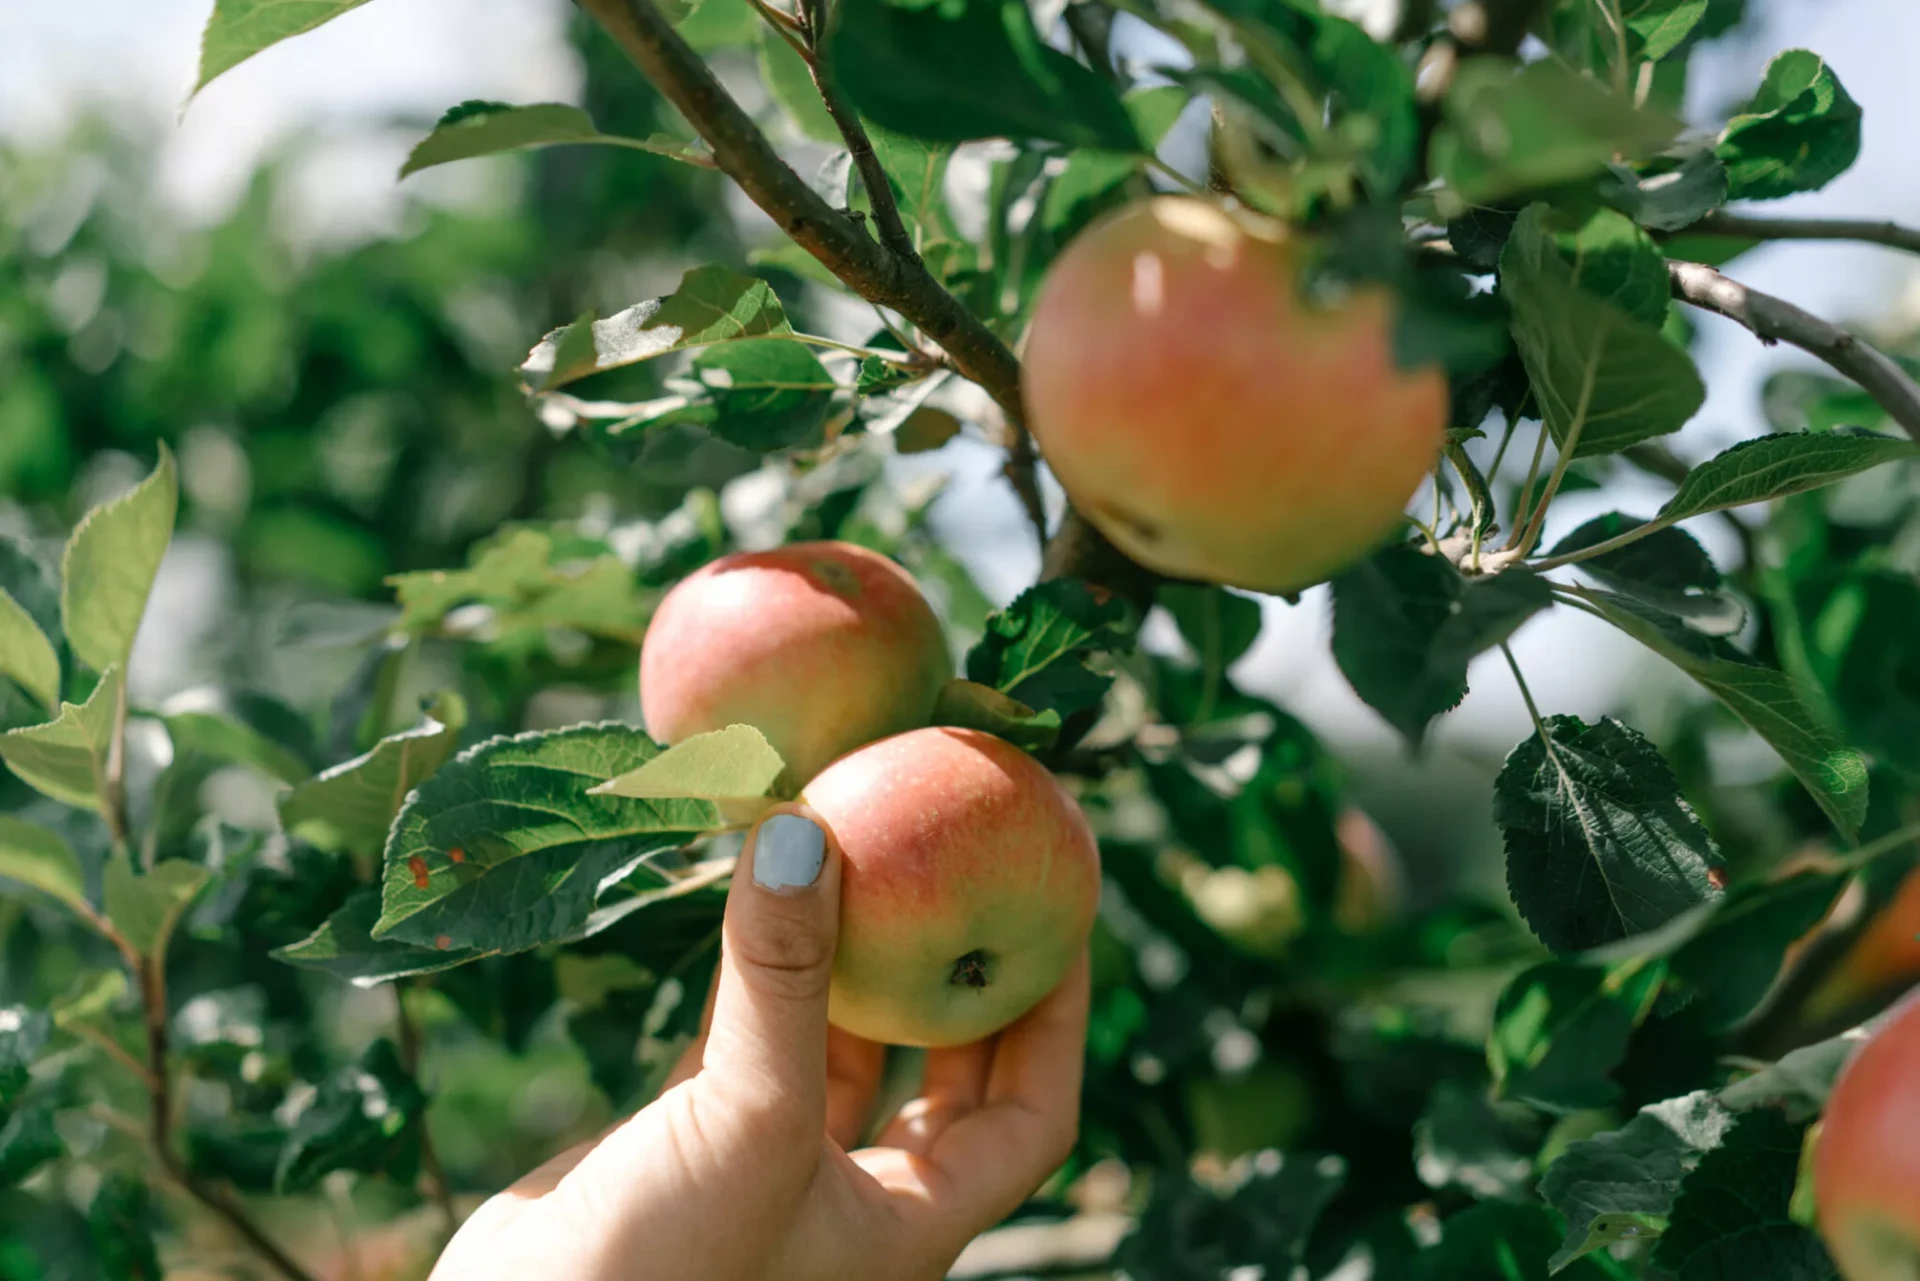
861 263
438 1187
1776 320
1867 231
151 974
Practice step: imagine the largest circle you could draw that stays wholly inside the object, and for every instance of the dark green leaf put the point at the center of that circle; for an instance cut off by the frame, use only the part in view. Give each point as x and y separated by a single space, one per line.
1600 844
1731 963
1621 1184
1667 567
1466 1140
345 947
1218 625
238 29
351 805
360 1120
23 1035
119 1220
1560 1029
27 1142
1668 193
1615 261
767 393
1860 649
1603 380
1499 1240
1800 132
978 69
1730 1218
971 705
1769 467
488 128
505 847
66 758
1190 1230
1036 649
108 567
1406 624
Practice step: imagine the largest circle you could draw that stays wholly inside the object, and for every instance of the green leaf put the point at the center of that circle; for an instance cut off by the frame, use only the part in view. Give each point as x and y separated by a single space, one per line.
731 764
1468 1141
1802 400
1600 844
979 69
768 393
1036 649
488 128
146 908
1509 132
66 758
1667 567
505 847
970 705
34 856
1667 193
1496 1239
119 1221
238 29
27 1142
26 654
109 565
791 85
1800 132
92 996
23 1035
1730 1218
345 948
1218 625
1584 33
712 305
361 1119
1860 649
351 805
1258 1225
917 173
1764 697
1559 1030
1731 962
1769 467
528 586
1661 26
1617 262
1407 624
1802 1079
1622 1184
227 739
1596 372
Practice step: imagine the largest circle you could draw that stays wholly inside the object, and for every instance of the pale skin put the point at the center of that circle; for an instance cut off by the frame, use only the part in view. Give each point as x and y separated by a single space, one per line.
746 1166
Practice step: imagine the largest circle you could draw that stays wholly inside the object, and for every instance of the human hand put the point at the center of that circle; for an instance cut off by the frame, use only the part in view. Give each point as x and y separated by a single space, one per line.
740 1168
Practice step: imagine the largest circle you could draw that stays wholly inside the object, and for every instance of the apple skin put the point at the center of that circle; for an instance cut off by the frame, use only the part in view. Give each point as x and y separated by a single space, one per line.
969 883
1866 1167
820 646
1206 420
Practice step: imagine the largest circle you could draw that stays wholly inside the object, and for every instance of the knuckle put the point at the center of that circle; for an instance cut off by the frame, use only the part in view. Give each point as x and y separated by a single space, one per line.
784 958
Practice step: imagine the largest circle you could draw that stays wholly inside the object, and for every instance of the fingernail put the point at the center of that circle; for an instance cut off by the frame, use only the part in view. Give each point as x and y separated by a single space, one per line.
788 852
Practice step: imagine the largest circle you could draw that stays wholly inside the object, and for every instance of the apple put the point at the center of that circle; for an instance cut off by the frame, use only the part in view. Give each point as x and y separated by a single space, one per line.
1866 1167
820 646
968 885
1209 421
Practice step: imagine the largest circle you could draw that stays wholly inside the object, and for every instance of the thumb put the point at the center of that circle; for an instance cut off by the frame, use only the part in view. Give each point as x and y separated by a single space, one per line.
767 1048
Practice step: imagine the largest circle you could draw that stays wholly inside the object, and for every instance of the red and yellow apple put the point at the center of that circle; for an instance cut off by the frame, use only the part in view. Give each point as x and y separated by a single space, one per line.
820 646
1866 1168
1208 420
968 886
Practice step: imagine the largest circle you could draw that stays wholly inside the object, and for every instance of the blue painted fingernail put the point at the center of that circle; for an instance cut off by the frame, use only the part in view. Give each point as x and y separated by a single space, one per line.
788 852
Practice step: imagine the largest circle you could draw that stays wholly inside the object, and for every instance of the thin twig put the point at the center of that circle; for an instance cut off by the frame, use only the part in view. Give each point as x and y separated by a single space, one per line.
1776 320
1867 231
873 175
1523 507
113 789
861 263
438 1187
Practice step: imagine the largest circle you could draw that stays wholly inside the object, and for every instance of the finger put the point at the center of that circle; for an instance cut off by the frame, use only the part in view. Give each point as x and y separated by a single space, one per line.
688 1064
994 1157
766 1051
953 1084
854 1066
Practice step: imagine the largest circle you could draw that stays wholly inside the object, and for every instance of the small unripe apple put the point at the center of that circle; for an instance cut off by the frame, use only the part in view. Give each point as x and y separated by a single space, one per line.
820 646
1208 420
968 887
1866 1172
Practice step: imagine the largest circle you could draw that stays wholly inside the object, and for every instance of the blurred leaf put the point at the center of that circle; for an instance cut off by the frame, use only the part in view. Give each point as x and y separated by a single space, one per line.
925 430
791 85
731 764
1800 132
1218 625
1621 1184
1730 1218
952 73
145 908
1600 844
1649 30
34 856
528 587
1861 651
92 996
505 848
1407 624
1510 1242
351 805
66 758
1036 649
1733 960
971 705
360 1120
238 29
26 654
23 1035
119 1219
712 305
1560 1029
1802 1079
1764 697
1769 467
1595 370
1262 1221
227 739
1800 400
1466 1140
27 1142
345 947
1668 568
1667 193
1509 132
767 393
478 128
109 565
